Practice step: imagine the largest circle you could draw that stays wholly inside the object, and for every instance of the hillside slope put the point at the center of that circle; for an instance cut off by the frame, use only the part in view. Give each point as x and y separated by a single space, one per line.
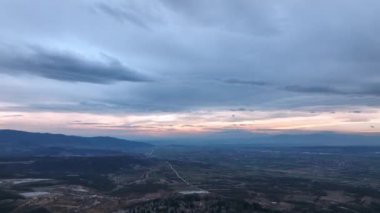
26 143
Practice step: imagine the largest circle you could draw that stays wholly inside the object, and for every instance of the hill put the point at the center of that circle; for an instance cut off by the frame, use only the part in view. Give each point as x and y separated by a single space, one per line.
26 143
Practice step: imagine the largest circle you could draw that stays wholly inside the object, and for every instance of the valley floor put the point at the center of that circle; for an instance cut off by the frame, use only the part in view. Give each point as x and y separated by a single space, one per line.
197 179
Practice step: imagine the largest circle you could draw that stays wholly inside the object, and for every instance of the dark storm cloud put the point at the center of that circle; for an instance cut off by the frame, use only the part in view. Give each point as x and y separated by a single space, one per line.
65 66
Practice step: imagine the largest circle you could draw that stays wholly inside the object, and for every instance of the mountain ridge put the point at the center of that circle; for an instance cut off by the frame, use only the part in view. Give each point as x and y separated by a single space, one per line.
19 142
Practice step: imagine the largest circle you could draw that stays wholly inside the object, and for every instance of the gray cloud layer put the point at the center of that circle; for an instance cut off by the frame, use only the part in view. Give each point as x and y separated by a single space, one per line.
64 66
201 54
121 15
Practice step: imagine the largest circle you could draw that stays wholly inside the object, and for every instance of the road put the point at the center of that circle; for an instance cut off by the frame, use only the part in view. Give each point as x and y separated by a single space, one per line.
177 174
199 190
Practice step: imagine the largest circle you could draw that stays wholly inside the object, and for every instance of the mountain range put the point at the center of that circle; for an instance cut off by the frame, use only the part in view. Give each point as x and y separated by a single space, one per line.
21 143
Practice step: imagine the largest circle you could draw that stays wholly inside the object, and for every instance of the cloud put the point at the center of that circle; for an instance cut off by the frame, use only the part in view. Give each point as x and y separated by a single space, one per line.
314 89
362 90
11 116
121 14
246 82
65 66
365 90
243 16
244 55
371 89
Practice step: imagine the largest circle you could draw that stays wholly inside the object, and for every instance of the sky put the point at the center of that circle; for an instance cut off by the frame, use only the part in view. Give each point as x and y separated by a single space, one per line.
138 68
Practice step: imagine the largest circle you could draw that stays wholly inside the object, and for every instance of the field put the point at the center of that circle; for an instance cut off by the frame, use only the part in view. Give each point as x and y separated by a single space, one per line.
228 178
